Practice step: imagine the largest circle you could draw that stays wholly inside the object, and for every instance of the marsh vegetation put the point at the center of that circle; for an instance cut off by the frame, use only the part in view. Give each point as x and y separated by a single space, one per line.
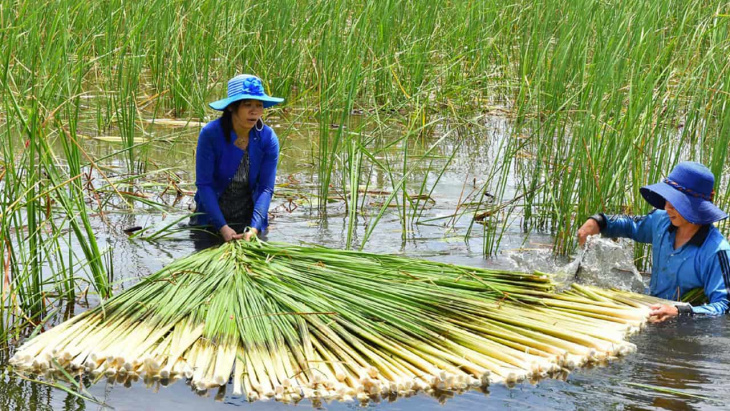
100 104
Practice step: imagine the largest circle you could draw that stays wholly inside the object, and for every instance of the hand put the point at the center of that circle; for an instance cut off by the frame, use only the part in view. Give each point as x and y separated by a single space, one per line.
590 227
662 312
229 234
250 234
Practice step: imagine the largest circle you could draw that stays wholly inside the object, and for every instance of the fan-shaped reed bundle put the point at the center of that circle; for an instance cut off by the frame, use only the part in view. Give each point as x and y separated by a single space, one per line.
293 322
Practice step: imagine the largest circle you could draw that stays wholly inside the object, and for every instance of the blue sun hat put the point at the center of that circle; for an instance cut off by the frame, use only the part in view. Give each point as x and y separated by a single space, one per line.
690 189
245 87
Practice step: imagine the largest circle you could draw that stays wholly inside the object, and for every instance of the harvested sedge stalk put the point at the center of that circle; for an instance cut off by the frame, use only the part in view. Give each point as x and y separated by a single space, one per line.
292 322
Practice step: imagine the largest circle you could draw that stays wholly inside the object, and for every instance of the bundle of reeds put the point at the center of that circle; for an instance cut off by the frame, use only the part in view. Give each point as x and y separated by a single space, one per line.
293 322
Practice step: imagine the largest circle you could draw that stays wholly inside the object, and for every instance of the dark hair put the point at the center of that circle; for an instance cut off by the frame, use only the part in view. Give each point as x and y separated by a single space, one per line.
227 121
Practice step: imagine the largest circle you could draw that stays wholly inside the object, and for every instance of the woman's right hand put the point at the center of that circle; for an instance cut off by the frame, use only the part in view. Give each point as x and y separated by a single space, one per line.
229 234
590 227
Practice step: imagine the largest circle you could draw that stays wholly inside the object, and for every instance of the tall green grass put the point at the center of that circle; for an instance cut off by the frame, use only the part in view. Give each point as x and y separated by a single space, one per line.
612 96
42 194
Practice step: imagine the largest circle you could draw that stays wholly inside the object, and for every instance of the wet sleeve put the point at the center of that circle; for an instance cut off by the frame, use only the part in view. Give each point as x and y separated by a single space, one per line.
716 279
639 228
267 179
204 171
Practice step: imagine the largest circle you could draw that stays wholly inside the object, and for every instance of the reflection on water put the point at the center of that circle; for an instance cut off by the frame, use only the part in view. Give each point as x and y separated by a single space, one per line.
17 394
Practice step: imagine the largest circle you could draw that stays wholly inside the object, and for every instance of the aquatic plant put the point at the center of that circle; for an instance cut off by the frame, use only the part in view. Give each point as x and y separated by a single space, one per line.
290 321
604 96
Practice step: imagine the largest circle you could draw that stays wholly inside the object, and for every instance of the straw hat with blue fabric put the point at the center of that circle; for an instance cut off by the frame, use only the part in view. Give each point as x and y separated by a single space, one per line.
245 87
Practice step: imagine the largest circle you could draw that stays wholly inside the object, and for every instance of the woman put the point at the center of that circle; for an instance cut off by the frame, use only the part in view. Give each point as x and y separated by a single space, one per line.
235 163
688 251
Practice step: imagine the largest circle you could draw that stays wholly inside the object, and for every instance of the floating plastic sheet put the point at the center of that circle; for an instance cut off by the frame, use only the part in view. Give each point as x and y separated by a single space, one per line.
606 263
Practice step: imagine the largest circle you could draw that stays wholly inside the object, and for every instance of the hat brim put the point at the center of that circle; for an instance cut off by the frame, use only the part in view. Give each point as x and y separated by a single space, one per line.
221 105
693 209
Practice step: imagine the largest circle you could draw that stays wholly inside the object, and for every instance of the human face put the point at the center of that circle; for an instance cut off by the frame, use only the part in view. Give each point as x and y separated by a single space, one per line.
247 114
674 216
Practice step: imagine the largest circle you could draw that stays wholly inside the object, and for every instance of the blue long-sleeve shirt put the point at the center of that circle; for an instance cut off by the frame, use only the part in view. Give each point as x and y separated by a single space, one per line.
216 162
701 262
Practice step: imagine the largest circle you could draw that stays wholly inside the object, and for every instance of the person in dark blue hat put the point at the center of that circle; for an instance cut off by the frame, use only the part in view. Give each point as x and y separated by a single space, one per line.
235 163
688 250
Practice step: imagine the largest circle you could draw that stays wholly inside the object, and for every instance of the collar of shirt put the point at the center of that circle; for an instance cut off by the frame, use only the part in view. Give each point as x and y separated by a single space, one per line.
700 236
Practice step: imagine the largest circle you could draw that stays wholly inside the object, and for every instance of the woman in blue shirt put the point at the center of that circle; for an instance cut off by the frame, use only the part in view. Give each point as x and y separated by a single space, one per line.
688 251
235 162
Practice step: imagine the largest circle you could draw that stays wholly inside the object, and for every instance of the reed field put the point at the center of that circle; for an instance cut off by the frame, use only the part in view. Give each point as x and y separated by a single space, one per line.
601 97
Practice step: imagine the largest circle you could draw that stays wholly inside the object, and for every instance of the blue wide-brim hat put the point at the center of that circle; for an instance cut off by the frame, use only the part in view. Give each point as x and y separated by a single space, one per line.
245 87
690 189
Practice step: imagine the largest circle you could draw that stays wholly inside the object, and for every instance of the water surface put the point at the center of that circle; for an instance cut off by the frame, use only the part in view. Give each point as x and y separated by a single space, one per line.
691 355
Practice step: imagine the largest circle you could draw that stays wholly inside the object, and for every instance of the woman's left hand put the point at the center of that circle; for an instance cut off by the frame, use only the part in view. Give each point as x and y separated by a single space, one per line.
251 233
662 312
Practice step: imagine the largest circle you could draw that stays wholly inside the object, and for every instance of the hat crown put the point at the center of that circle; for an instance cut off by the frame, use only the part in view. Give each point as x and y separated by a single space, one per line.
245 84
245 87
694 177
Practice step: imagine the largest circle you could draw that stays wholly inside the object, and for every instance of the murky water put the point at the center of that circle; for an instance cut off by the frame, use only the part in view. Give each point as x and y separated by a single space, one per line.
691 355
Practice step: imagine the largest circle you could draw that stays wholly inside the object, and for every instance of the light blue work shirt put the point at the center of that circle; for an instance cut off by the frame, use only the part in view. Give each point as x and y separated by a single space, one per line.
700 263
